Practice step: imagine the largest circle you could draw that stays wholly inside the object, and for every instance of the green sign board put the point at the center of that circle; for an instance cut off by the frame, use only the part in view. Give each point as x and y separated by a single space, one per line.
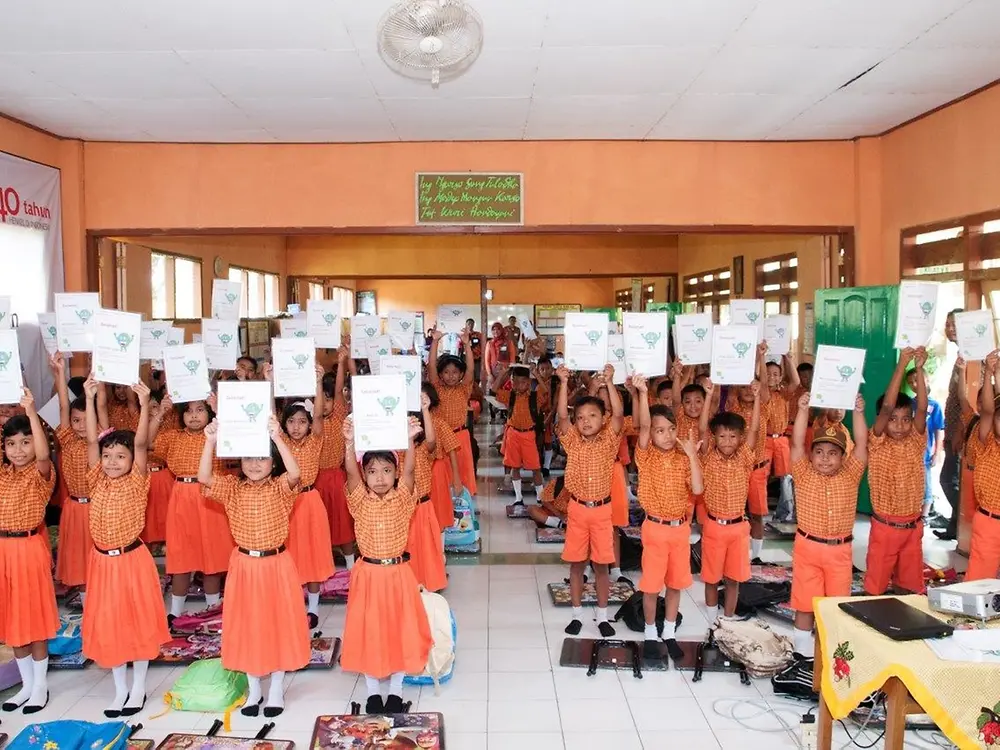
470 198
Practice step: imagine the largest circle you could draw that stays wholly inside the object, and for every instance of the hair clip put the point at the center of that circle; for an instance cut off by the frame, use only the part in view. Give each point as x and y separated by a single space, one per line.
104 434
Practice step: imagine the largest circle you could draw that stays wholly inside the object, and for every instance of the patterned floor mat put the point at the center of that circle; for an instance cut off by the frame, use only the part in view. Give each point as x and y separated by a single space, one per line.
189 649
382 732
201 742
578 652
465 549
517 510
548 535
69 661
619 594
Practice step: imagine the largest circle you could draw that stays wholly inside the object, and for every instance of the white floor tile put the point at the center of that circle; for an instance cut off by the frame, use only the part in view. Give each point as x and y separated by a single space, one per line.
669 684
320 683
626 739
574 684
597 714
519 660
526 716
461 740
676 713
463 686
459 716
749 714
517 741
471 659
521 685
742 739
701 739
517 638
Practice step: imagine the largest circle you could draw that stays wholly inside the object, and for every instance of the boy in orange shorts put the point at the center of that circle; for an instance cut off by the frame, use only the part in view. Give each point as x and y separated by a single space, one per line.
896 448
826 500
743 405
783 383
727 460
590 448
524 419
551 511
669 472
984 551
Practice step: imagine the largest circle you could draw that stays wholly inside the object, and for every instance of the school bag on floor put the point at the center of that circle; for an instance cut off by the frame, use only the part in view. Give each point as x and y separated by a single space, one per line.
763 652
207 621
444 631
68 639
207 687
632 614
465 529
72 735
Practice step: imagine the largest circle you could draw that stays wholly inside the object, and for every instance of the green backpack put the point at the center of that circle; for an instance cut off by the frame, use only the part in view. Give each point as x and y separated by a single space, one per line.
207 687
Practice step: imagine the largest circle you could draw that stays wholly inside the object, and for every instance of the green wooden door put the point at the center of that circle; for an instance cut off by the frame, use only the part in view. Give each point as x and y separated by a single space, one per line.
863 317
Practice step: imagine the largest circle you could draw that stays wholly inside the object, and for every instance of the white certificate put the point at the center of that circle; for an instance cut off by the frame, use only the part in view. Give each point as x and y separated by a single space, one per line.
693 338
363 327
116 346
451 318
294 362
616 357
646 343
323 323
976 334
5 321
153 337
749 312
187 372
837 377
586 340
734 354
778 334
379 410
378 347
222 343
915 321
175 337
409 367
47 325
226 299
11 380
524 323
402 326
293 328
75 321
244 408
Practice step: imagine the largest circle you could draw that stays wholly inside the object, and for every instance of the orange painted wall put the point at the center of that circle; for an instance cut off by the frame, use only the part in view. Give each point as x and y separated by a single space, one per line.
424 295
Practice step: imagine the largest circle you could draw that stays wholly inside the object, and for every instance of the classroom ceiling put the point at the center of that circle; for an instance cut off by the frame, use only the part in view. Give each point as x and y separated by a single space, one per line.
309 71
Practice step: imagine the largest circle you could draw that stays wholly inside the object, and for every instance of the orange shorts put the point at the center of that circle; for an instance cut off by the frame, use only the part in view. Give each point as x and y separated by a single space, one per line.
619 496
589 534
779 451
895 555
757 492
819 570
984 550
725 552
520 451
666 557
696 509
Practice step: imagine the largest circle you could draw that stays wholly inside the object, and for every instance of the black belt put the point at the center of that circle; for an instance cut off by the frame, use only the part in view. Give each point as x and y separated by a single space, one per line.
120 550
832 542
81 500
405 557
988 514
665 521
459 429
518 429
187 480
261 552
592 503
307 488
17 534
727 521
761 465
424 499
895 524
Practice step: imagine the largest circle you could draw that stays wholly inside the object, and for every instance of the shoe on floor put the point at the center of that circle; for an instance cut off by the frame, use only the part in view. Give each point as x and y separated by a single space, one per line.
674 650
313 619
374 705
574 627
607 630
945 536
625 579
394 704
652 650
757 561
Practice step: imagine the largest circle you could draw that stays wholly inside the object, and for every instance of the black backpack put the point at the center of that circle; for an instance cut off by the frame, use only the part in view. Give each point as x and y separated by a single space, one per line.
631 551
536 417
756 595
632 615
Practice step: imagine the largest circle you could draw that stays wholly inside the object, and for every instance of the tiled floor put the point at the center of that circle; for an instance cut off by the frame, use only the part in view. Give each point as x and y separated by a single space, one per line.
509 690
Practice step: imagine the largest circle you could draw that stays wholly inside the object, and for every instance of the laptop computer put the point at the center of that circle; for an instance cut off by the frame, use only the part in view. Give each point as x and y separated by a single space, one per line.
896 619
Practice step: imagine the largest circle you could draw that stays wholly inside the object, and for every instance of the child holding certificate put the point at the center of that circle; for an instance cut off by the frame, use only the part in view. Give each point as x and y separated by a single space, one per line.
264 621
386 634
331 479
424 543
524 421
453 378
445 475
124 620
28 613
984 552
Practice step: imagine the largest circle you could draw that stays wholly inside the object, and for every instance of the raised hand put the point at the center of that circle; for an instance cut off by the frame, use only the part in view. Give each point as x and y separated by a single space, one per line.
436 334
859 404
920 358
343 353
415 428
349 430
562 372
90 386
608 372
804 400
212 431
425 401
906 356
57 363
691 445
755 388
27 402
141 390
640 383
267 369
273 427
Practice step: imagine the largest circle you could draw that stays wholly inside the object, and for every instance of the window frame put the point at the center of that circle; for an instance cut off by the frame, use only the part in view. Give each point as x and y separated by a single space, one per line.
170 289
265 289
708 296
787 274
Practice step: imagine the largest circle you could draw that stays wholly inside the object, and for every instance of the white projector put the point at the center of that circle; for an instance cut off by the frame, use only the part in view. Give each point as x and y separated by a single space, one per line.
979 599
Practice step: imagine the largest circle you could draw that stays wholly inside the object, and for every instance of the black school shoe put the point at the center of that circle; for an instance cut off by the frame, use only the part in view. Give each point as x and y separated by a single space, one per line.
652 650
674 651
606 629
374 705
574 627
394 705
313 620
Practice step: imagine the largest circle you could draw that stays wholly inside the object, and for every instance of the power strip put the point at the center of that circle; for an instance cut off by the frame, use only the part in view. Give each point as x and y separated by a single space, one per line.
808 732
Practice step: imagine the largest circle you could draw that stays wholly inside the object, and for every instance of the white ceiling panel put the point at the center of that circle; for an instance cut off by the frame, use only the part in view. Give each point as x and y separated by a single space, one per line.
728 116
145 114
16 80
974 25
475 111
950 72
628 117
70 116
868 114
211 135
438 132
72 26
313 114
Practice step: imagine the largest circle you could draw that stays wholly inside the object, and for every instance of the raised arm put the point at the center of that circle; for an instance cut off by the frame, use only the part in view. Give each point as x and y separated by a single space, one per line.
758 390
319 403
156 419
38 437
562 407
678 376
704 417
57 364
792 380
292 472
920 415
764 393
432 373
343 358
90 388
892 393
691 445
430 435
987 407
799 429
103 419
501 379
140 454
860 451
350 456
205 475
410 459
614 397
642 409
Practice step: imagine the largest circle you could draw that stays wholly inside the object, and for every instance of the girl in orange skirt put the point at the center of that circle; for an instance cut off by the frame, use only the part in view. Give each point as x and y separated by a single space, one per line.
446 479
309 531
264 621
198 537
386 633
424 543
161 484
331 480
124 620
453 378
28 614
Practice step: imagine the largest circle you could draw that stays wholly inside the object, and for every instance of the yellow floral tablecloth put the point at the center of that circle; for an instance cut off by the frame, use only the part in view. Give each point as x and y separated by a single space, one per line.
963 698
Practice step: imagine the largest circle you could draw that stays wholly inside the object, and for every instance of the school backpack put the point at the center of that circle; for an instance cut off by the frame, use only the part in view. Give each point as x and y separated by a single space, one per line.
763 652
444 631
631 613
336 586
465 529
207 687
207 621
756 595
68 639
536 416
72 735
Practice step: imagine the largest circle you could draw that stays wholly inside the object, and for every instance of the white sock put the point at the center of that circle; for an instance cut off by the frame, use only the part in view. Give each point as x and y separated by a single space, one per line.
756 545
803 642
254 694
649 633
615 573
349 561
538 492
553 522
602 614
276 691
373 686
669 630
578 613
629 492
40 688
120 676
27 681
548 459
212 599
177 605
83 598
313 602
396 684
516 484
137 695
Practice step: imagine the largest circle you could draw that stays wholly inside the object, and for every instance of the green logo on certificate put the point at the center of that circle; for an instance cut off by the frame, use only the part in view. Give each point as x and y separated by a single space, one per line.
926 308
752 316
741 347
700 333
651 338
301 334
593 337
157 333
389 404
405 325
84 315
192 365
845 372
300 360
225 338
252 410
124 339
230 297
410 375
328 318
5 358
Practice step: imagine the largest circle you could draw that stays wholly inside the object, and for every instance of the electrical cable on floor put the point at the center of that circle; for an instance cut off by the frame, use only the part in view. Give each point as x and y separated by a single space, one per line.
853 740
763 708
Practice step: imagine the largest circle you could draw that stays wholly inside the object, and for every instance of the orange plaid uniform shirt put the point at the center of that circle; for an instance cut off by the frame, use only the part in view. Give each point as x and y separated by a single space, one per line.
73 461
560 502
117 507
331 456
381 524
520 417
258 511
423 467
896 473
686 424
776 412
122 417
746 411
826 506
181 449
444 437
793 404
726 482
23 497
664 481
589 462
306 452
986 477
454 406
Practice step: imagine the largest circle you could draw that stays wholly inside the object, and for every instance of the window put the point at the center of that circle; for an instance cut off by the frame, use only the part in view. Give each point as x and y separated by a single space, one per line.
778 285
708 291
316 290
259 292
345 299
176 287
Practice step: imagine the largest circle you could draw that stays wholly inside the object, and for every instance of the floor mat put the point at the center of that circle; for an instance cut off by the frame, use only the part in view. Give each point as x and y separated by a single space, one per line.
187 650
619 594
465 549
578 652
778 530
388 732
785 612
548 535
517 510
201 742
134 744
69 661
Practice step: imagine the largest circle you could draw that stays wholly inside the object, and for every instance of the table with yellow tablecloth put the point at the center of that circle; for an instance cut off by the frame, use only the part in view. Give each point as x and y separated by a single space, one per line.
963 698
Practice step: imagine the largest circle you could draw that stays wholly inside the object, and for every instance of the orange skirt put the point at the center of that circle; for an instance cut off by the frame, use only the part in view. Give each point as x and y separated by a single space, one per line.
441 479
198 537
264 626
619 497
161 484
426 548
331 484
386 629
124 619
28 611
466 467
309 538
73 552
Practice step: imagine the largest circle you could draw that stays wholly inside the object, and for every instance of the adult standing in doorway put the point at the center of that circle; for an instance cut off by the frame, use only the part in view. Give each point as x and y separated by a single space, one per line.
500 354
514 334
953 439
